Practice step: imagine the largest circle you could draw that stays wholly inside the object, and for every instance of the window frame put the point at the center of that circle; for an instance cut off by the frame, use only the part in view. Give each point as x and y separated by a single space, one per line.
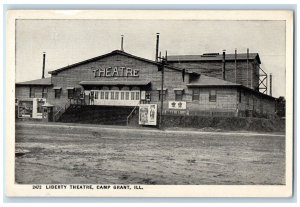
116 95
132 95
196 96
57 93
71 93
164 95
127 94
212 98
178 95
31 92
44 94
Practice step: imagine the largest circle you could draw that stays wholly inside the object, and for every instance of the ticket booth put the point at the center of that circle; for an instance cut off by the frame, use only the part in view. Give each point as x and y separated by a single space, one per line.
48 112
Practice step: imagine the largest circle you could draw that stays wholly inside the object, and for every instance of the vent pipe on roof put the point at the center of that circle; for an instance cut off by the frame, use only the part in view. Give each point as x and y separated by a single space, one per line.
157 45
122 40
247 67
44 60
223 65
235 65
270 84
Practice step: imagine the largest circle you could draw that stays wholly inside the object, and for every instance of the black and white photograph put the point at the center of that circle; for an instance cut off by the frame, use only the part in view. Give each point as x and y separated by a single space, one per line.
128 103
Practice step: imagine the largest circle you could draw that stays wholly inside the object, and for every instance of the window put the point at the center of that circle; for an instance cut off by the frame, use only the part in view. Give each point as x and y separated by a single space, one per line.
195 94
212 96
148 96
163 95
44 92
178 95
40 103
117 95
112 95
126 95
31 92
137 95
96 94
102 95
57 93
122 95
132 95
247 100
70 93
106 95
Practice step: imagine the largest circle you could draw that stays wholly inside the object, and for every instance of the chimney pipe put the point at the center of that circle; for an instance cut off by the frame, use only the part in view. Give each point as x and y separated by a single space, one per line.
270 84
235 65
223 66
157 45
247 67
44 60
122 39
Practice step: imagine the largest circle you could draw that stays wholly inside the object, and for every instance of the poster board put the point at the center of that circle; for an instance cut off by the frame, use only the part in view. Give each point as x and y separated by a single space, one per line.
148 114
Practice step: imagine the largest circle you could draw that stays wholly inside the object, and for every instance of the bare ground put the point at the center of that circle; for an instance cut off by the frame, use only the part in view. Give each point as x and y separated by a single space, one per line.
68 154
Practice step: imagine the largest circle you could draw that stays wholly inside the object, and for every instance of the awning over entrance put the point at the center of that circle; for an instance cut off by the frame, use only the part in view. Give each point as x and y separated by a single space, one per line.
114 83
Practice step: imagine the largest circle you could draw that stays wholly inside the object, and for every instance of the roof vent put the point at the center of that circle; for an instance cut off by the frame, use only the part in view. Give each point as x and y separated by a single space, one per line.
210 54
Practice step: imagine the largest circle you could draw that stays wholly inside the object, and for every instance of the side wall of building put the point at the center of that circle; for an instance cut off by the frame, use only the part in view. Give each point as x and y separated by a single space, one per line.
254 104
214 69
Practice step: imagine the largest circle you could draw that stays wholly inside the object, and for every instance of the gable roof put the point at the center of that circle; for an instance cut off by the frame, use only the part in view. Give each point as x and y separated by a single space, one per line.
211 81
37 82
103 56
120 52
212 57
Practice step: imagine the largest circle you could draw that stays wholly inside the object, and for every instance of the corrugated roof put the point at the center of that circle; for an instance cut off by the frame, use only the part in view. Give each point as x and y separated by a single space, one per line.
211 81
217 57
37 82
115 83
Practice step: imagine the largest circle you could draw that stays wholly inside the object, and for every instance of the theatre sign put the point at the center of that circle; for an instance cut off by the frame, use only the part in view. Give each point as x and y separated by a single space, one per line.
116 72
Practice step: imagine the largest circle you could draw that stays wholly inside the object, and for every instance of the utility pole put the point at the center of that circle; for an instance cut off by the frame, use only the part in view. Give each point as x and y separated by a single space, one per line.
162 61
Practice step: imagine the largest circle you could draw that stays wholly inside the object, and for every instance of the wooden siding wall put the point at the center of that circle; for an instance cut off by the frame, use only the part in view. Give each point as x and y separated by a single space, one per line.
256 104
225 100
148 72
23 92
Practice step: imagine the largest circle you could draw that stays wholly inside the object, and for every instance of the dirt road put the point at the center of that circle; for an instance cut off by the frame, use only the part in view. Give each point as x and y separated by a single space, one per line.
104 155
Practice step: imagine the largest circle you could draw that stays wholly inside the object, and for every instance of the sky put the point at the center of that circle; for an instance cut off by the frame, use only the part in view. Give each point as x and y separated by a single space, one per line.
69 41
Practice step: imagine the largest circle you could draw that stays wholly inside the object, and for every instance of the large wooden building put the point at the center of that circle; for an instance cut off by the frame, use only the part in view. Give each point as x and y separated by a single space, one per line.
204 85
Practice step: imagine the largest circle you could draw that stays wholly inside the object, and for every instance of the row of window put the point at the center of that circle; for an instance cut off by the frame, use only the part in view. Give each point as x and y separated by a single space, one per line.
195 95
115 95
35 93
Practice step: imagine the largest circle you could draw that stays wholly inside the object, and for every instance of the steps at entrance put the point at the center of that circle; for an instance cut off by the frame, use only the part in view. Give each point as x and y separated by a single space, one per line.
87 114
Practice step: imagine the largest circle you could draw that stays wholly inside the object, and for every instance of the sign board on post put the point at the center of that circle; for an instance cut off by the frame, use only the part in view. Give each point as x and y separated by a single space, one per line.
148 114
177 105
